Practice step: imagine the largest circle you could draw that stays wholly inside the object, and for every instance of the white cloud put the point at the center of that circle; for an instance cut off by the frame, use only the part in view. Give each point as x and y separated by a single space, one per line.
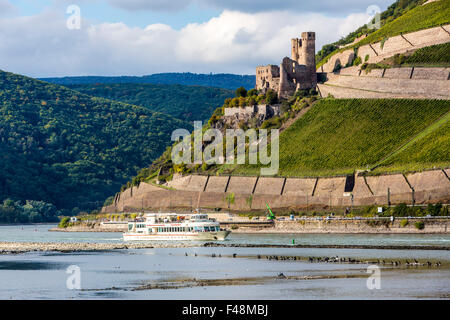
233 42
153 5
6 7
322 6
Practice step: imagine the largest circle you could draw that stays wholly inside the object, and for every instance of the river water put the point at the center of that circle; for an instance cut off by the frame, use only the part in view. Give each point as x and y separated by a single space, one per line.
213 273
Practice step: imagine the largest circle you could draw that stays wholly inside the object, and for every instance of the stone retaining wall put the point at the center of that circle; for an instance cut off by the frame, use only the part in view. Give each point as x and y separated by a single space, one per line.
418 83
424 187
398 44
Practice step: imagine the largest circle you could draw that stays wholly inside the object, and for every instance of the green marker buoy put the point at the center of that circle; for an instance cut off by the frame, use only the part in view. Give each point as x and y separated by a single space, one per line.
293 241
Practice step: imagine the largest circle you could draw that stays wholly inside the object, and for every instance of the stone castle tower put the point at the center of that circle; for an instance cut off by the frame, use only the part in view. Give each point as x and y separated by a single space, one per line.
297 73
303 51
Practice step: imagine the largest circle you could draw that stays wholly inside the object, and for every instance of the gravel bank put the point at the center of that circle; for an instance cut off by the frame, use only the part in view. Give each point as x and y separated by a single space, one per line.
21 247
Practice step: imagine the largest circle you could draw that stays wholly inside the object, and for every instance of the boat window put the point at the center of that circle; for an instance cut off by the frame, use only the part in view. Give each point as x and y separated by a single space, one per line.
130 226
149 230
217 228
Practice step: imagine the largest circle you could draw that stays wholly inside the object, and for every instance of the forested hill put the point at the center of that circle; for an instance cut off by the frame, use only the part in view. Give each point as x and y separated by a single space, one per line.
70 149
183 102
221 80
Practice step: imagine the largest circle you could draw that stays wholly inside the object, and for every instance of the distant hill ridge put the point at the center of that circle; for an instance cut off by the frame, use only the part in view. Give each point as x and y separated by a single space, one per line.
71 149
220 80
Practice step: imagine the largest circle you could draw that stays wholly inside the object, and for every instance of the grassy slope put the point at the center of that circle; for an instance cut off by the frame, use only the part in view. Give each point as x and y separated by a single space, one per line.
338 136
419 18
431 148
183 102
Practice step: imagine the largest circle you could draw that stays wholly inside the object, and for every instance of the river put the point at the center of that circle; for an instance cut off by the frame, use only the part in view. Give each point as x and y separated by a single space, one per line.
226 272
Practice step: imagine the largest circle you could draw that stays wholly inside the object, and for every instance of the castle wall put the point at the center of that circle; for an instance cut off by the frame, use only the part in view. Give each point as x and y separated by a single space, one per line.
293 74
267 77
261 109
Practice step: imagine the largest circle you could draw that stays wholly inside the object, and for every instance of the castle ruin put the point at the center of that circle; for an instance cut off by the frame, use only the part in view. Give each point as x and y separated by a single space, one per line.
297 73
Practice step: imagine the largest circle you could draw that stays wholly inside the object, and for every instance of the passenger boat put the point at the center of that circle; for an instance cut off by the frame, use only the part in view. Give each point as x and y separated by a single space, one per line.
158 226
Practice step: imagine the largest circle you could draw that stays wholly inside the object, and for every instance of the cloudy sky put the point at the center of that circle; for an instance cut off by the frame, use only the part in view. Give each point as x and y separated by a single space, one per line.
138 37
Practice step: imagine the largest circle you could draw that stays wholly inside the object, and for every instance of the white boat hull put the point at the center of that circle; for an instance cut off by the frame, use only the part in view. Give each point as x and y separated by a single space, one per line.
194 236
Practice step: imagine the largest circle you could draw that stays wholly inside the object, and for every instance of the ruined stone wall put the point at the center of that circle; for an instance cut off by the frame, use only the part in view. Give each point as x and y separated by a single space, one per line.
293 74
266 111
253 192
267 77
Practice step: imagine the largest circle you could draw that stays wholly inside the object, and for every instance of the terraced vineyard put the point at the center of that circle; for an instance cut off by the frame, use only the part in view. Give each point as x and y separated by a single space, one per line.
433 55
429 149
339 136
422 17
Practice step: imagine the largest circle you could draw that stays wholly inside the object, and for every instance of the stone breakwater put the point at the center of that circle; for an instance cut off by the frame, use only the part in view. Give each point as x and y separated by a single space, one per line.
22 247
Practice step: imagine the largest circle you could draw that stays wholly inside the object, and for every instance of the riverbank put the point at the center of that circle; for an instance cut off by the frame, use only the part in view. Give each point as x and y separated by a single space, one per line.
416 225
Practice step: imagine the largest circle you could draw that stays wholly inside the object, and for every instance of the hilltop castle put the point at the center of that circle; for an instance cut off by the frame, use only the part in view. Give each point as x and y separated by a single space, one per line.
293 74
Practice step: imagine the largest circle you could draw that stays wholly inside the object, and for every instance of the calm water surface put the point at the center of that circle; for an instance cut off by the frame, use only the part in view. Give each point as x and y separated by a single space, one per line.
116 274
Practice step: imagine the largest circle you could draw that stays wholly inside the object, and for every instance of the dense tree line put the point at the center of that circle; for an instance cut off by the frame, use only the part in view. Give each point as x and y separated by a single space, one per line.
69 149
183 102
30 211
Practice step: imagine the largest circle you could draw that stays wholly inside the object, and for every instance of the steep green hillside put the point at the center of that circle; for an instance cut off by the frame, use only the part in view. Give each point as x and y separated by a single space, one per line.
422 17
183 102
339 136
418 18
391 13
69 149
430 148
